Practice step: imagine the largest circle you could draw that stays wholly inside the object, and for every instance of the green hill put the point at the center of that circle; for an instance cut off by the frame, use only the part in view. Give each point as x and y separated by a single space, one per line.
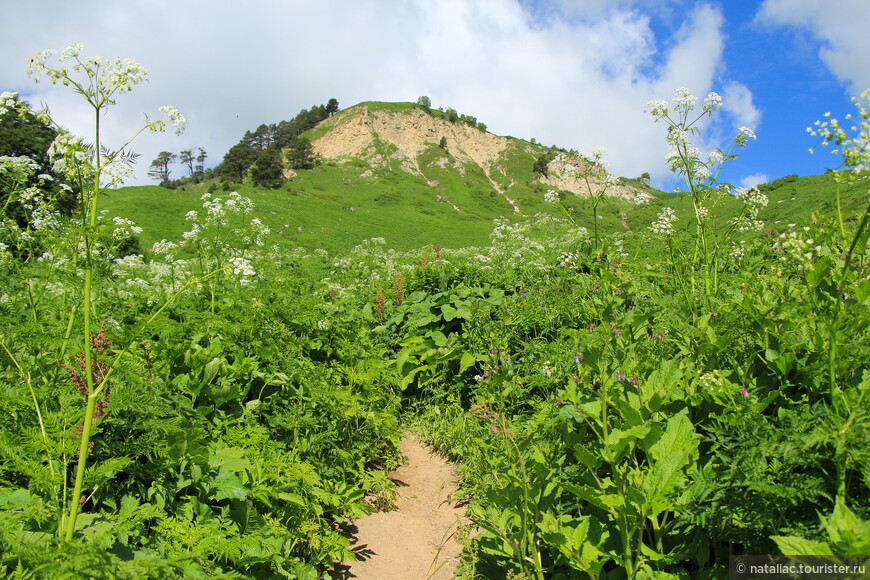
415 177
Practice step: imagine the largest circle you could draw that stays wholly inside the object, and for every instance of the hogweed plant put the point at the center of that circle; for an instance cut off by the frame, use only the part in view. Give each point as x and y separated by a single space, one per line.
835 280
592 172
700 175
93 167
854 147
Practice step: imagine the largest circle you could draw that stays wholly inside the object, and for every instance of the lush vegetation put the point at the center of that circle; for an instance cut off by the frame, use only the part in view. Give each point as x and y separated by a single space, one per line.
639 403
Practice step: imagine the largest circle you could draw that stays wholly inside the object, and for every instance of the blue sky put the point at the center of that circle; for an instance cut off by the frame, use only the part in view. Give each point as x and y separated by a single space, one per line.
572 73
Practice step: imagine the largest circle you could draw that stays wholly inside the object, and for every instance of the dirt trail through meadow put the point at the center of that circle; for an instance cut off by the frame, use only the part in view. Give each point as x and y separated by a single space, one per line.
418 539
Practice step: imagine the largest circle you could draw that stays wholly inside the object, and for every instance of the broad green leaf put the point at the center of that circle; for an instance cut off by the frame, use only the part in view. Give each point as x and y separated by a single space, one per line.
817 271
293 498
797 546
586 457
409 378
663 380
862 291
227 485
849 534
448 312
679 436
404 356
213 368
467 361
619 439
16 498
231 458
438 338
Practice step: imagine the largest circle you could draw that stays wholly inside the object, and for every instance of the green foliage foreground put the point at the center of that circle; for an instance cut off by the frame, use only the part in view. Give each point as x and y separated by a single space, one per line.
627 406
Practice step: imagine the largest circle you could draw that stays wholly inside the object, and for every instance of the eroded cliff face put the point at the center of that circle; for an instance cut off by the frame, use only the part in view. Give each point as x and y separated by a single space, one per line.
354 131
377 136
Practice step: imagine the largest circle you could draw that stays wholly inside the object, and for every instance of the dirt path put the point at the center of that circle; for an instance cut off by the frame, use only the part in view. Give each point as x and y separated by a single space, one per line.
418 539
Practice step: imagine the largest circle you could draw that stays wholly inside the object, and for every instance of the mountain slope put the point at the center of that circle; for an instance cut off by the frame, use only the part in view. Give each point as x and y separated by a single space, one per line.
427 144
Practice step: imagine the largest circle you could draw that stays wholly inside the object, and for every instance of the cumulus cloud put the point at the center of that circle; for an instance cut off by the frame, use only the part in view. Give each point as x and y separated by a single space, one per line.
737 101
577 80
754 179
841 27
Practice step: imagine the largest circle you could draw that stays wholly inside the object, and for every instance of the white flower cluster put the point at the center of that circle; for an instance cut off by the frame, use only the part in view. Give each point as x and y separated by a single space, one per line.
547 368
568 259
176 118
738 251
243 269
260 230
164 248
124 228
794 246
117 172
682 158
658 108
17 169
664 225
642 197
753 202
684 99
106 76
69 154
9 102
854 147
618 247
551 196
713 102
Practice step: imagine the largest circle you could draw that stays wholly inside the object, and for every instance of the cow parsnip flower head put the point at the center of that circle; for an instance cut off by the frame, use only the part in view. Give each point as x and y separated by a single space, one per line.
105 76
853 144
664 225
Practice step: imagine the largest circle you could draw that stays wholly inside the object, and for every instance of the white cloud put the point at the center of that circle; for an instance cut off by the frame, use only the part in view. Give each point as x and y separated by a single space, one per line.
576 82
840 25
753 180
737 101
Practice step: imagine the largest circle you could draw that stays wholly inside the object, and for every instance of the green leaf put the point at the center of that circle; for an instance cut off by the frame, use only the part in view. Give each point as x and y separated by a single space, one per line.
862 291
586 457
467 361
409 378
15 498
213 368
231 458
438 338
619 439
817 271
849 534
797 546
227 485
222 391
293 498
448 312
661 381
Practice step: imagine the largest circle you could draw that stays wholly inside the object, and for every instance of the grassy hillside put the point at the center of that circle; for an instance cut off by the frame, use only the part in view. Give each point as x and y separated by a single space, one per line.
414 193
336 210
